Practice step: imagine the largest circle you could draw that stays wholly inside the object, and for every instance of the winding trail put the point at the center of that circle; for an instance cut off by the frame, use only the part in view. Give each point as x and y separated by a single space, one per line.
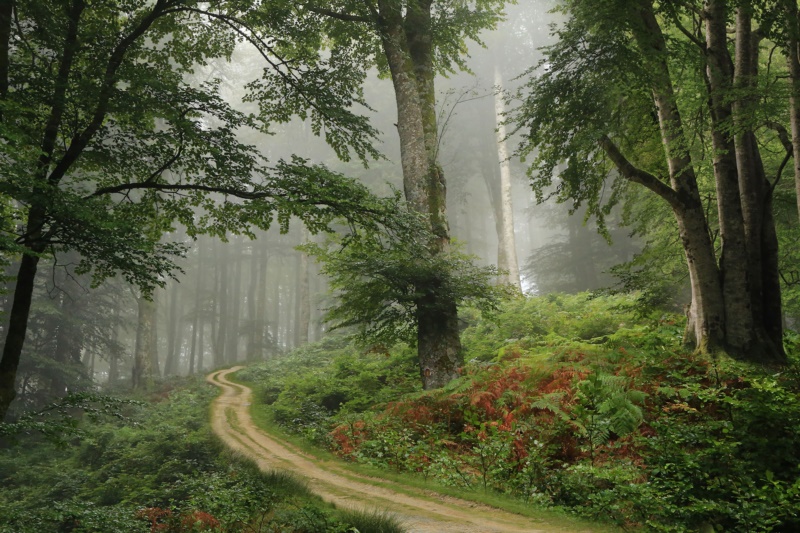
231 421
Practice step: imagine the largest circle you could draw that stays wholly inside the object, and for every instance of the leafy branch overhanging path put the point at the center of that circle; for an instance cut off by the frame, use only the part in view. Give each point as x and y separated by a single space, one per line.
231 421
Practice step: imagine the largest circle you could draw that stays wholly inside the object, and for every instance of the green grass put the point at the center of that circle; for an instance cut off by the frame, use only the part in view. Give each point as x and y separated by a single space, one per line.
415 485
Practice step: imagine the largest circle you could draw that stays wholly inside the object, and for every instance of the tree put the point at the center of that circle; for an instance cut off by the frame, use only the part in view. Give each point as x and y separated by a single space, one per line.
379 277
614 94
102 137
412 40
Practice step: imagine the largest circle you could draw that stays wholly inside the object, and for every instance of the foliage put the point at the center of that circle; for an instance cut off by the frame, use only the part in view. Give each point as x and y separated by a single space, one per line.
306 388
381 279
58 421
159 470
584 403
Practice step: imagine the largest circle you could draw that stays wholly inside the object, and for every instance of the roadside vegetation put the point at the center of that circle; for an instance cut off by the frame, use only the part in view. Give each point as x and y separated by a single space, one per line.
573 402
152 465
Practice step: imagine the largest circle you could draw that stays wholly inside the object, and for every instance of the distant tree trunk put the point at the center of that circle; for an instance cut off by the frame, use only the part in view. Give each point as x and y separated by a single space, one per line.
407 43
252 291
261 305
69 340
507 243
793 59
143 355
235 303
272 317
174 336
303 314
221 298
113 355
198 304
580 247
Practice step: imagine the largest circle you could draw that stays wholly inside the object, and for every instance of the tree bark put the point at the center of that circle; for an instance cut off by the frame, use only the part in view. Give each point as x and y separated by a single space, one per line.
234 302
706 313
507 242
174 332
221 318
303 299
143 356
407 42
733 262
17 328
793 60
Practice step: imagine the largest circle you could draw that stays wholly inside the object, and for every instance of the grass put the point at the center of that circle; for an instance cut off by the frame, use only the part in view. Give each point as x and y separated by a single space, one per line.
373 521
413 485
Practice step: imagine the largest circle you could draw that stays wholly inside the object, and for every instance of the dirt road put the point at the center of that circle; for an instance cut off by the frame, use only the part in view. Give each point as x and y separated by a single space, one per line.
230 419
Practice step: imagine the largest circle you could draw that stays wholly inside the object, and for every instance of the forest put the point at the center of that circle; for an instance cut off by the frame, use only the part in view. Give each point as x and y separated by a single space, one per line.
400 265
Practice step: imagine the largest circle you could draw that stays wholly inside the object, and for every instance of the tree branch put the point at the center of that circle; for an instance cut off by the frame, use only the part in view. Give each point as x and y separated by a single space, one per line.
637 175
80 140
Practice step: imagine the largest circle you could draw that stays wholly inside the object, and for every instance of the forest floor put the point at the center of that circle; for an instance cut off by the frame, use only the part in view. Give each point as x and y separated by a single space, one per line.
420 511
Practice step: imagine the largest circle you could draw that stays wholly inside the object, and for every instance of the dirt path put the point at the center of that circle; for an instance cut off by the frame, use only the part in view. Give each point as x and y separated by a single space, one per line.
230 419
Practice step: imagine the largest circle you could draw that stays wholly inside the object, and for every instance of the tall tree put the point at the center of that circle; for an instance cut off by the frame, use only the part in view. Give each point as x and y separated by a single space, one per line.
613 96
507 242
412 40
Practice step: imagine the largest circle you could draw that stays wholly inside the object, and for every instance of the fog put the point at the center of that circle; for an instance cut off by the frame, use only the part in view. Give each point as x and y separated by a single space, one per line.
238 298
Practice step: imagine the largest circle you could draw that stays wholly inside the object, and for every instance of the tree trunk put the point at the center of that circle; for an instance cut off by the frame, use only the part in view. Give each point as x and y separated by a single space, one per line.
303 299
733 262
507 244
407 43
113 355
17 328
143 355
706 313
261 305
221 318
234 302
759 224
174 336
793 59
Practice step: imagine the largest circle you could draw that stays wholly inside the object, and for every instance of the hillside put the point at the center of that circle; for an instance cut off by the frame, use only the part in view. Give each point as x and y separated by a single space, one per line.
568 402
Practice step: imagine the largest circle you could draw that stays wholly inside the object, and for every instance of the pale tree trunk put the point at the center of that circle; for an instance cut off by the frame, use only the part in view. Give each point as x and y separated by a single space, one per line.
221 300
143 355
234 301
198 304
262 303
507 244
407 43
252 290
174 328
303 298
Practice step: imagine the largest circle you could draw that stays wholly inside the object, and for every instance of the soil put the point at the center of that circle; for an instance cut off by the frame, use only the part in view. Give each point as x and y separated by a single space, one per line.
428 513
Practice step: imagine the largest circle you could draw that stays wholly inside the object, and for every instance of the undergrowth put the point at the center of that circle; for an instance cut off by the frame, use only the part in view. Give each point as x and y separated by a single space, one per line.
566 401
156 467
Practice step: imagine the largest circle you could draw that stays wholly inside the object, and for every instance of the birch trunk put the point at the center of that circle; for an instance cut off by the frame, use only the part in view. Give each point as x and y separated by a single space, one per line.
507 241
